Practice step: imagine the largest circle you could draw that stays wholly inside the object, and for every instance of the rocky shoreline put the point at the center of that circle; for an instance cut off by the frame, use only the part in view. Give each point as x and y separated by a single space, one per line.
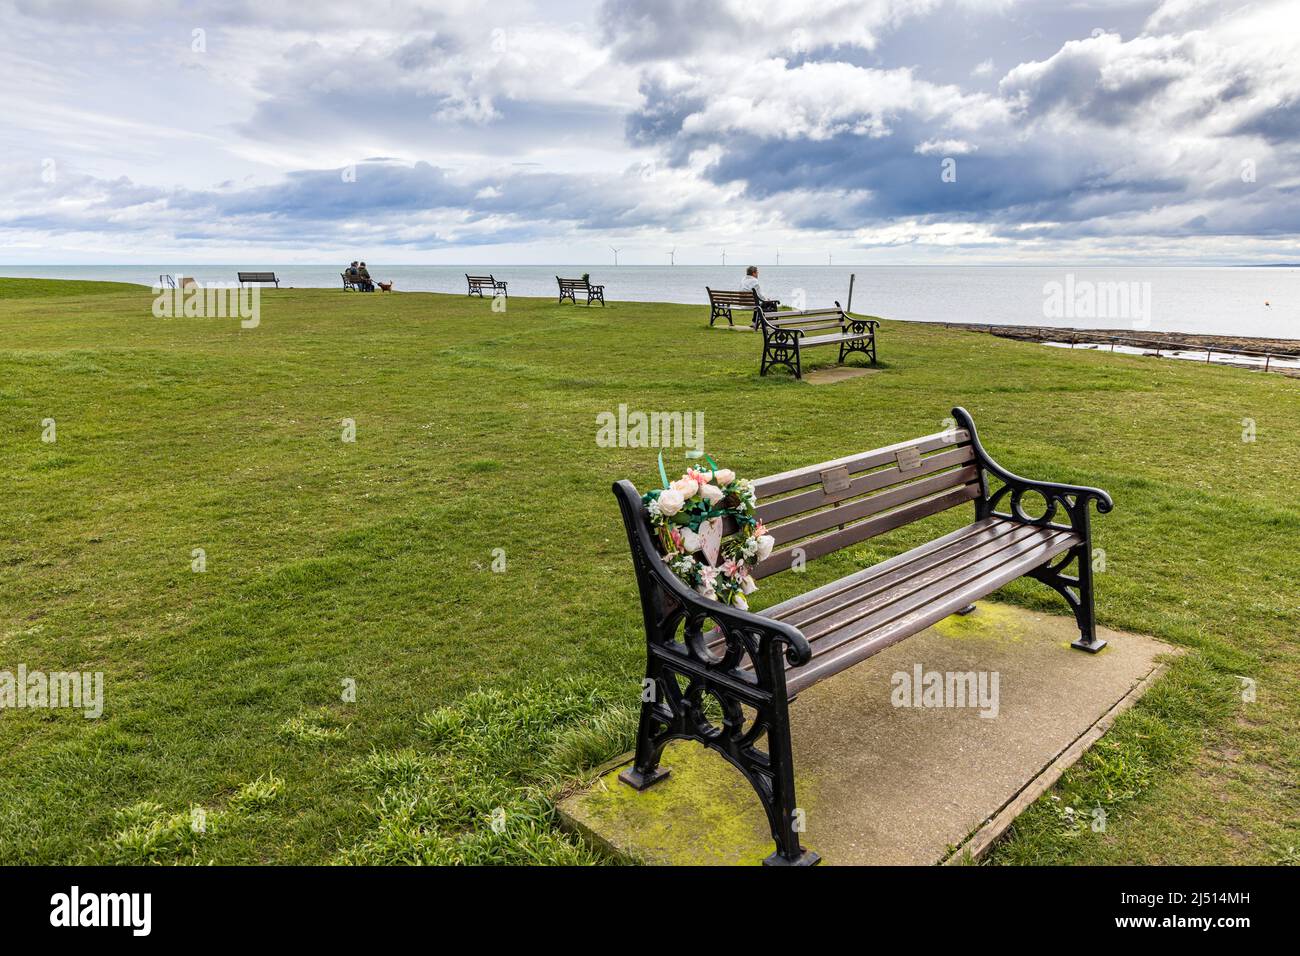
1171 340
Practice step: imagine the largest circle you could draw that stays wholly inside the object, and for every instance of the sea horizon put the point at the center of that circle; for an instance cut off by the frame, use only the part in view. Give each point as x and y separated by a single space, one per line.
1261 301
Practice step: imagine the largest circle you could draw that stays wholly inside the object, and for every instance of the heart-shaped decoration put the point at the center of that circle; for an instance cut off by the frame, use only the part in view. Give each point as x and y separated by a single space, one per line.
711 539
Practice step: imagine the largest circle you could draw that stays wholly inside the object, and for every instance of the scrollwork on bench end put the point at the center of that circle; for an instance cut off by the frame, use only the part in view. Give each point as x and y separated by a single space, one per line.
1015 485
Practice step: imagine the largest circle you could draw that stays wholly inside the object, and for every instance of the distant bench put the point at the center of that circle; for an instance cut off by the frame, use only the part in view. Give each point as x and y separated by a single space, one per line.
753 665
786 334
258 277
722 301
478 283
570 287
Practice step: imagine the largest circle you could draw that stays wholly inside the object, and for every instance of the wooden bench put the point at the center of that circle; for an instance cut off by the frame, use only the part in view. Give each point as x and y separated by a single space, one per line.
787 334
754 665
570 287
478 283
721 303
258 277
348 283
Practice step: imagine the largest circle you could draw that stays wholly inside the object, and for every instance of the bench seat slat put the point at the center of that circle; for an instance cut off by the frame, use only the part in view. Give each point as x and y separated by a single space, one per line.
811 474
911 591
978 532
829 597
865 602
921 609
817 604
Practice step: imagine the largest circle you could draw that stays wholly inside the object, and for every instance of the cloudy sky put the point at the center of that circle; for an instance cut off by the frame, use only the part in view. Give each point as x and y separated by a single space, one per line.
447 131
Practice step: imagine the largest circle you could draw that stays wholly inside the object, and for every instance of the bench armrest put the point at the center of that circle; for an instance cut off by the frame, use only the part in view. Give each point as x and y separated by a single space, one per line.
1055 493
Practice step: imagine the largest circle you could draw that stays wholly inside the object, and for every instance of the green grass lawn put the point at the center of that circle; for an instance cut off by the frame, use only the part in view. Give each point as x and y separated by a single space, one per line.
371 562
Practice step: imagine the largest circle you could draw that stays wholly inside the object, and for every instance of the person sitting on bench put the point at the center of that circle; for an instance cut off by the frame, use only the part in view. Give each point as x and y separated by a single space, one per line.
363 278
751 282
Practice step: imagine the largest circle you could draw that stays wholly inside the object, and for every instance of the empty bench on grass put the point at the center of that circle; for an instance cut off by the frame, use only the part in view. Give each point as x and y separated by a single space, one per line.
754 665
258 277
478 283
569 288
787 334
722 302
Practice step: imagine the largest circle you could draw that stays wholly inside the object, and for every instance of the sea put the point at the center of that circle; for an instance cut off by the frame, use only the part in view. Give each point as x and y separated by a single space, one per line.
1248 301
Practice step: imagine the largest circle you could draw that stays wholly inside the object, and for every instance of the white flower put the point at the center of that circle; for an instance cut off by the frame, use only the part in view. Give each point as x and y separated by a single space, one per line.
749 548
705 588
740 602
765 544
670 502
653 507
747 585
690 540
686 487
712 494
724 476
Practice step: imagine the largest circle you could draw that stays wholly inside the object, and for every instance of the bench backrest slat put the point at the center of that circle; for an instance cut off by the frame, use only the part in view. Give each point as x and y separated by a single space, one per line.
805 316
809 325
805 501
821 508
862 530
843 514
723 297
811 474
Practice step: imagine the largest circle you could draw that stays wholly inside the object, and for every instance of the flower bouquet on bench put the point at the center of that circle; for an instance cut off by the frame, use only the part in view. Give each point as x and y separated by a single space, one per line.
691 517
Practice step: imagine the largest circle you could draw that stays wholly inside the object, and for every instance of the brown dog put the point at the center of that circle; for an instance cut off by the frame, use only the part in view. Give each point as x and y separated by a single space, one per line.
385 286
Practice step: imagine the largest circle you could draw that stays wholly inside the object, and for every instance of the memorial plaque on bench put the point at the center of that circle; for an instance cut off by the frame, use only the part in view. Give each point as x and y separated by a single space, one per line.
835 480
909 459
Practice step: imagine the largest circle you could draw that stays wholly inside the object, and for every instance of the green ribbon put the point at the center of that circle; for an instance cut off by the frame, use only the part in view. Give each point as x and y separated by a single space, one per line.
663 474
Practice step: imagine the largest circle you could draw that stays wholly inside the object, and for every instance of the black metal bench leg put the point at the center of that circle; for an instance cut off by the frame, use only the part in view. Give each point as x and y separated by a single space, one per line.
1085 612
645 770
784 815
1077 591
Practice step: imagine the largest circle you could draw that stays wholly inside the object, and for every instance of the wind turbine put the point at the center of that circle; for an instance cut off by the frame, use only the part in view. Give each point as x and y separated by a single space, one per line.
778 257
828 258
616 252
724 258
672 256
